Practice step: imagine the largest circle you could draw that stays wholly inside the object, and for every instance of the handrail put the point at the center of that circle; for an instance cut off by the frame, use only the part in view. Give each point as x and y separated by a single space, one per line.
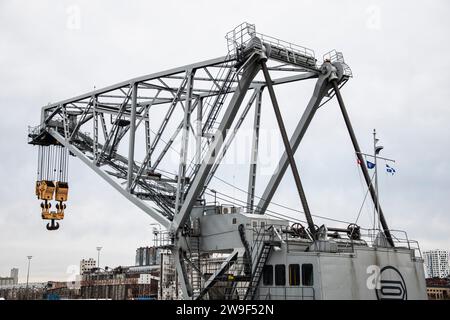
293 292
245 32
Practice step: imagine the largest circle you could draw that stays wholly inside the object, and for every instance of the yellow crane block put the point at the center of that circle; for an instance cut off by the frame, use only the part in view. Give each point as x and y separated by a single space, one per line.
62 191
45 189
52 215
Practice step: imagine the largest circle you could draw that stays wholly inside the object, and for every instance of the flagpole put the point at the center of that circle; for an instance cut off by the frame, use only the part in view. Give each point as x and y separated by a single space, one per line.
375 152
375 209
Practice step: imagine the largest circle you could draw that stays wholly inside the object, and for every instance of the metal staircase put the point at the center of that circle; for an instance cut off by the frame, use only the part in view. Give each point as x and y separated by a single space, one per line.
262 247
219 99
196 274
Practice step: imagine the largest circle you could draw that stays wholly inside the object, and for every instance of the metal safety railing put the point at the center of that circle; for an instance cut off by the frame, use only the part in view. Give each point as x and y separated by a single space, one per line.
245 33
336 56
285 293
377 238
260 236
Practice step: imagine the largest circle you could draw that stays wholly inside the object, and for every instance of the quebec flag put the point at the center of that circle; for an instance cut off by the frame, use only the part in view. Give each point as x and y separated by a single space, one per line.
370 165
390 169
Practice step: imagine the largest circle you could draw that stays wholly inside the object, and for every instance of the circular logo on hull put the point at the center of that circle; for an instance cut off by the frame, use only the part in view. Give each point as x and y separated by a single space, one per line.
392 285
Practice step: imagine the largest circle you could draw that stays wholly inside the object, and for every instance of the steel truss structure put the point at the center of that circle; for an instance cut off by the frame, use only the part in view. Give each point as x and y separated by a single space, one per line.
127 131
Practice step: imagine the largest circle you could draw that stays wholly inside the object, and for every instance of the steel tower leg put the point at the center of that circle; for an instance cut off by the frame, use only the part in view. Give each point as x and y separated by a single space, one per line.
198 137
95 131
288 149
184 144
132 136
364 170
254 151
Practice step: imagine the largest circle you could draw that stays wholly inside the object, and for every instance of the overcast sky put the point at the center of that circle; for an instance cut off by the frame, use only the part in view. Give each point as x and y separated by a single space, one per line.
53 50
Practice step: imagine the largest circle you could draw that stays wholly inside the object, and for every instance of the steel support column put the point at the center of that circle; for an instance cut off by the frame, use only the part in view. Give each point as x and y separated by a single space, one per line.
288 149
95 130
198 136
364 170
184 141
254 151
132 133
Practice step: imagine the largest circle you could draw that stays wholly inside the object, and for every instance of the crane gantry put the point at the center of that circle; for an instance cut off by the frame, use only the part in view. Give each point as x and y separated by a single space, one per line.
127 133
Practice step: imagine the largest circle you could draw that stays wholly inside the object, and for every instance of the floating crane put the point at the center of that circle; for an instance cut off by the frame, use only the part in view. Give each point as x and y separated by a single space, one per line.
127 133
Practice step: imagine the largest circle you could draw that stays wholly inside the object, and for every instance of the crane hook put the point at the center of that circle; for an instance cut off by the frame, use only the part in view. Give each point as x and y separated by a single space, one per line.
53 225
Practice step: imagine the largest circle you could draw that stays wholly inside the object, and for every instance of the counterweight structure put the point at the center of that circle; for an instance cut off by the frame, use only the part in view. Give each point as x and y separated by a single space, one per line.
127 134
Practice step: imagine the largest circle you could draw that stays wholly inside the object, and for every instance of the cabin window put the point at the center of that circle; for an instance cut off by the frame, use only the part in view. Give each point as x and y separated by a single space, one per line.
255 224
268 275
280 275
234 221
263 224
307 274
294 275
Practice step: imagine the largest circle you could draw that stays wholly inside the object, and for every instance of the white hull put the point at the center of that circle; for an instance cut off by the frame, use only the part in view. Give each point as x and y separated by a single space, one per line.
366 274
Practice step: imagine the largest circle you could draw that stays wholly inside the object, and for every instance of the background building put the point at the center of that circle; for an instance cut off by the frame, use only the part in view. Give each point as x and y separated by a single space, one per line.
87 264
436 263
121 283
438 288
12 279
6 281
147 256
15 275
34 291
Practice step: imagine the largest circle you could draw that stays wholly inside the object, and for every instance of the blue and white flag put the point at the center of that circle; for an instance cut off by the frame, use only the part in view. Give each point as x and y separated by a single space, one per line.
390 169
370 165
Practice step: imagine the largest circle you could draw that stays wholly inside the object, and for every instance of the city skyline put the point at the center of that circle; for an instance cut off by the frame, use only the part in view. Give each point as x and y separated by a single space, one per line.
136 263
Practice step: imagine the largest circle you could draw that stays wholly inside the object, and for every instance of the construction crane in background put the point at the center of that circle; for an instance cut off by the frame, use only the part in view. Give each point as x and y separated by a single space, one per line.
115 131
